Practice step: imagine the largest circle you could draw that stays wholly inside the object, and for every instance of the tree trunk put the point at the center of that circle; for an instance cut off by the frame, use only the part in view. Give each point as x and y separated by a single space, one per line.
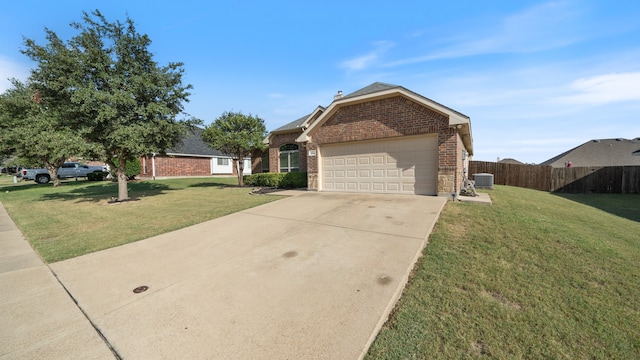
53 173
121 173
240 166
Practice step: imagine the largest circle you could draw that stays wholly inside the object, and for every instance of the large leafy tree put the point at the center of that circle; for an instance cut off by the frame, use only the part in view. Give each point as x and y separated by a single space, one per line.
125 104
237 136
35 128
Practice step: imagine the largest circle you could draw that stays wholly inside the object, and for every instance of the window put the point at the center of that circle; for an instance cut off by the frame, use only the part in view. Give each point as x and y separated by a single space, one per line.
265 161
289 158
223 161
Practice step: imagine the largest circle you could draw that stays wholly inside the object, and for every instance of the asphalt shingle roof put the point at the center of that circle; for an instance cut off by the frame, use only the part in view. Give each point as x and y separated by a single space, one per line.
293 125
510 161
600 152
373 88
192 144
370 89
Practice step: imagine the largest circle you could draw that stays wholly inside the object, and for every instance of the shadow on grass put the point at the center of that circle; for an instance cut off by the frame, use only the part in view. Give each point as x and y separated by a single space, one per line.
623 205
216 184
23 185
19 187
105 191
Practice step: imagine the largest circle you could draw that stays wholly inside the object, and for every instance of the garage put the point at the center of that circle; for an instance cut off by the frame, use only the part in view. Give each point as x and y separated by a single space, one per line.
402 165
382 138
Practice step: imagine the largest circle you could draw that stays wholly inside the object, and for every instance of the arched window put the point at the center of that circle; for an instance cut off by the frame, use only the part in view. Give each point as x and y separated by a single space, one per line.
289 158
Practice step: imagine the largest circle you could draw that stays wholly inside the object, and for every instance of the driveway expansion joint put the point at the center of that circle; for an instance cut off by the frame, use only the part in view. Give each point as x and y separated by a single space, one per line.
95 327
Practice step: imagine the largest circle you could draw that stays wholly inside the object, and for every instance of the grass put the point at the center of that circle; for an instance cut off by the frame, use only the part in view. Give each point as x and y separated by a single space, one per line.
536 275
6 180
76 218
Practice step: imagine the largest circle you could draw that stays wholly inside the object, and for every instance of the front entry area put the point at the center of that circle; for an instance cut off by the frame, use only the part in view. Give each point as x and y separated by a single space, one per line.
402 165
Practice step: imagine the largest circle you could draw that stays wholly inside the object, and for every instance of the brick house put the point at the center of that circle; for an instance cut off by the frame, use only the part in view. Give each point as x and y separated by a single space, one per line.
382 138
192 157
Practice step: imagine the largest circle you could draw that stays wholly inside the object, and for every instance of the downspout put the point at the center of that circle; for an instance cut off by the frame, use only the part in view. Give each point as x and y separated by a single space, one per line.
153 166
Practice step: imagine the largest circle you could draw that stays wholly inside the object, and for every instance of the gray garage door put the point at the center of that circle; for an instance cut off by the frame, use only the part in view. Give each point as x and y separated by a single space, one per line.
406 165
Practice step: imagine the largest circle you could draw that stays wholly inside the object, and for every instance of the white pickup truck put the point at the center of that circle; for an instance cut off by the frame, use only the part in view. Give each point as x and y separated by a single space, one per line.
66 171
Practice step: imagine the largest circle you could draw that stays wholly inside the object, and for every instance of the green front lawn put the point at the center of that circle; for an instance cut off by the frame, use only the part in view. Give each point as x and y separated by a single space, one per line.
535 276
77 219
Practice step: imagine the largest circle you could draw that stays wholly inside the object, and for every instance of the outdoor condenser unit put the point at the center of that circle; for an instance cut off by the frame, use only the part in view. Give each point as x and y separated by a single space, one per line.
483 181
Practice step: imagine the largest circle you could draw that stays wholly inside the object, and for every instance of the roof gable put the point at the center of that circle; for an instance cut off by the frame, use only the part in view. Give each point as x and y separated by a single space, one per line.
296 124
510 161
381 90
373 88
300 123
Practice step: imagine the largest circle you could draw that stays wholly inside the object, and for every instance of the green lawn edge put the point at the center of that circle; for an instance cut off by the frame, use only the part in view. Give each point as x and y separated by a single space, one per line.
79 217
535 275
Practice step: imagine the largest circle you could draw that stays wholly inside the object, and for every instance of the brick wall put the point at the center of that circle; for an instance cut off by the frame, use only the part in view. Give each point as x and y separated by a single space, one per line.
256 162
274 150
176 166
387 118
383 118
390 117
449 160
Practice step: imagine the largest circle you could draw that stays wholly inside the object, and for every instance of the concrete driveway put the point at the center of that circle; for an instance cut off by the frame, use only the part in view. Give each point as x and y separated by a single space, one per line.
312 276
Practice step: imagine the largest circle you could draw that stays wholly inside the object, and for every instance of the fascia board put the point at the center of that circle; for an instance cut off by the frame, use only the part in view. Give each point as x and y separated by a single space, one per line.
455 118
306 122
203 156
193 155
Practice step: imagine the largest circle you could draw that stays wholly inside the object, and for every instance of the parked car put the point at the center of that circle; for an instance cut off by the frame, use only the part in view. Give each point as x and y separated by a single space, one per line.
66 171
16 170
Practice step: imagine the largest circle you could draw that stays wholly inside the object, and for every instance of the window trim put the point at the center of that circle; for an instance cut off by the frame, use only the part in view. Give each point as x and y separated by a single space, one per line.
288 150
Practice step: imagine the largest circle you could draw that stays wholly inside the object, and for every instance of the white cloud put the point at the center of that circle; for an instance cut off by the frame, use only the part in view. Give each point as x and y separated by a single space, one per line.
365 61
541 27
604 89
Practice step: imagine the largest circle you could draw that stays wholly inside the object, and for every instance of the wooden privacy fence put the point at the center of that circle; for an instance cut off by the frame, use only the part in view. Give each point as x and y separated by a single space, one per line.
526 176
610 179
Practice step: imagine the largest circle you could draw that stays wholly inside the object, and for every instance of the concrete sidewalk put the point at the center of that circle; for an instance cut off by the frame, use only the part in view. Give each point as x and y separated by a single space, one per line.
313 276
39 320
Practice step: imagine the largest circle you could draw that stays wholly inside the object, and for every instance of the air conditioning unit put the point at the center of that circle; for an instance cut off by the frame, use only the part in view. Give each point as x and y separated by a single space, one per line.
483 181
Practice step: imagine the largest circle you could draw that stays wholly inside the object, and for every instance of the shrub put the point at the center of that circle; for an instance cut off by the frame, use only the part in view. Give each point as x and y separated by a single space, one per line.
279 180
294 180
97 176
133 167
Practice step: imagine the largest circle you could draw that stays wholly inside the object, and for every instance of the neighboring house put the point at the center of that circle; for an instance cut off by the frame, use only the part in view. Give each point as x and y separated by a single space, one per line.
192 157
381 139
510 161
599 153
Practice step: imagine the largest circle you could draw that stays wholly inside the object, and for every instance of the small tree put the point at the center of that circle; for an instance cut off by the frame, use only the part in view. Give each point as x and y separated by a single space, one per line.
125 104
237 136
35 128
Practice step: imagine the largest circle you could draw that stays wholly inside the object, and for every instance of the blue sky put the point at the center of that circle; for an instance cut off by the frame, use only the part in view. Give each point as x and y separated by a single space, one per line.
536 78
